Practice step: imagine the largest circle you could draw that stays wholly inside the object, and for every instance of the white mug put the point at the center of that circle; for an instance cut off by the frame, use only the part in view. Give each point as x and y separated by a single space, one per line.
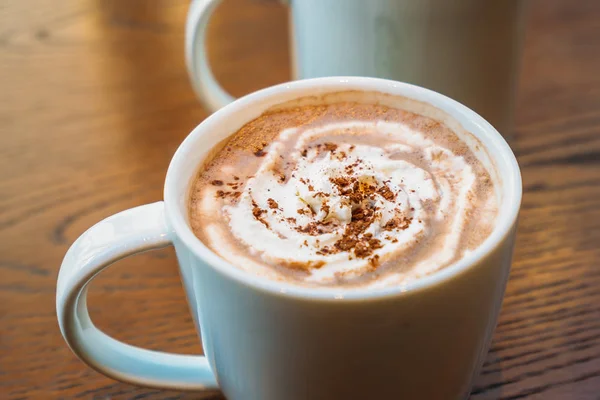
465 49
267 340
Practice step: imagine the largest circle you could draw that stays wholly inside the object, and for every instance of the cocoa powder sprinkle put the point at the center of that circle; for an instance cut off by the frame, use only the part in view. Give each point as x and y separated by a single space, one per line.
330 146
374 261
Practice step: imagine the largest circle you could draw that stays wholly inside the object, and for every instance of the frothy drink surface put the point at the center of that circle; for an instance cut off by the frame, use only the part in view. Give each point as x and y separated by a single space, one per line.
341 192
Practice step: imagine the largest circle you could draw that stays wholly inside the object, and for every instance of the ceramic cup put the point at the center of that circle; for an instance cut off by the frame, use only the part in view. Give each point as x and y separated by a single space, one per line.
466 49
268 340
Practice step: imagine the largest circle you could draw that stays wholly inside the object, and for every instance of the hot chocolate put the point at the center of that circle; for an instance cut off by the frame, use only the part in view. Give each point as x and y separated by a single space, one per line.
342 191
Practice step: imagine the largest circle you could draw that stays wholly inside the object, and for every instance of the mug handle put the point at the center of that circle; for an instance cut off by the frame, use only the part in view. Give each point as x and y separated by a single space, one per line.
129 232
210 92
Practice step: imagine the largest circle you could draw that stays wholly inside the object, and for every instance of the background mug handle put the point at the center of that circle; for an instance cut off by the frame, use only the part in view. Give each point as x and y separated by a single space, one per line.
126 233
211 93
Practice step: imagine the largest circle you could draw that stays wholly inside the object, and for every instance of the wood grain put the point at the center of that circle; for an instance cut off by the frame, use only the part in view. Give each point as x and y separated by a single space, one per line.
94 100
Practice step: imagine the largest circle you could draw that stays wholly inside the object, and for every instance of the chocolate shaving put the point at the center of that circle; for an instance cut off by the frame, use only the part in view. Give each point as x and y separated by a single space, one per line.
354 190
325 250
311 229
272 203
375 243
385 192
216 182
256 210
346 243
341 182
362 214
365 247
257 213
341 156
330 146
400 223
221 194
317 228
354 239
362 250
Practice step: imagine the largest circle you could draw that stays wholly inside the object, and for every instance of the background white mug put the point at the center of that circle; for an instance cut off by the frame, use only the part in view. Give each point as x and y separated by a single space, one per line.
466 49
268 340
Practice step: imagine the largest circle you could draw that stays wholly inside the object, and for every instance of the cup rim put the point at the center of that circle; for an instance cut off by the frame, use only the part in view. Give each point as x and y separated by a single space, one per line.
506 219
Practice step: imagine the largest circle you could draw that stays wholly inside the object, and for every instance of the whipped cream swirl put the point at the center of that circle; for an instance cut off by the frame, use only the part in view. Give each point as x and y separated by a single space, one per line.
339 205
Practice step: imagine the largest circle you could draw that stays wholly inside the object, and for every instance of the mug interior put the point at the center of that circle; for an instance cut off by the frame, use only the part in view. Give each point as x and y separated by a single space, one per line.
496 156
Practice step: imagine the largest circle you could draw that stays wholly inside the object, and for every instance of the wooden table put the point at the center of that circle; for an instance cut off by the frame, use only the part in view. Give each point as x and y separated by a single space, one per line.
94 100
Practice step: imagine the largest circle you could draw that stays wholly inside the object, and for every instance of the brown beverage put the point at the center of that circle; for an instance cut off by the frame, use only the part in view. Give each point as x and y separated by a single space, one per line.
346 190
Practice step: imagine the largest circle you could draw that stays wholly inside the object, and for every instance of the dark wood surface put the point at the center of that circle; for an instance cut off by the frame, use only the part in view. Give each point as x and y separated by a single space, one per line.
94 100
